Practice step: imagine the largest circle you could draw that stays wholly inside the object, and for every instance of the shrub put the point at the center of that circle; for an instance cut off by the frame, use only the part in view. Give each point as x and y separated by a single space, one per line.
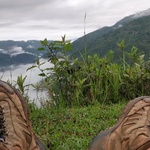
73 82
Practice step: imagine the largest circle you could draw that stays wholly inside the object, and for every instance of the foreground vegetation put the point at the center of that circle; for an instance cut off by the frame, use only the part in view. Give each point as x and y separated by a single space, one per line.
73 82
72 128
86 96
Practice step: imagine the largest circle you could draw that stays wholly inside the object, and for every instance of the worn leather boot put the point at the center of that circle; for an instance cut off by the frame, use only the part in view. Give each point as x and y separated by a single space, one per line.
132 130
15 128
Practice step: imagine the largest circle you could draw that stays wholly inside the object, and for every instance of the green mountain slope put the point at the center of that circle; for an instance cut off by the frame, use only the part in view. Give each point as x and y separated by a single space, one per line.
134 31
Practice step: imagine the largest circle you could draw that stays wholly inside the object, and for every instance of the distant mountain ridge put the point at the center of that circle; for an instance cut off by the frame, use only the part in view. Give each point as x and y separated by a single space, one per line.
133 29
19 52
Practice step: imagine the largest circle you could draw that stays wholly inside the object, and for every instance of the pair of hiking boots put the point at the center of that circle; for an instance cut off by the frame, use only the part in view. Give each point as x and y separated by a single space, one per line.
131 132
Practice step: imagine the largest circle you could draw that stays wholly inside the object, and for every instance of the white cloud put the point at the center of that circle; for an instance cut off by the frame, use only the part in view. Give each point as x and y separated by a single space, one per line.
13 51
36 19
16 50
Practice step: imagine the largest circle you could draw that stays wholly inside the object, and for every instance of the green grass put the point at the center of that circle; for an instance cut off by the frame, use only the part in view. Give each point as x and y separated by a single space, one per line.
72 128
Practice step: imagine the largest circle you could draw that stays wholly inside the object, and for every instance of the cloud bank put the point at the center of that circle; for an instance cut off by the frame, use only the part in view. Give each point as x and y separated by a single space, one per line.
36 19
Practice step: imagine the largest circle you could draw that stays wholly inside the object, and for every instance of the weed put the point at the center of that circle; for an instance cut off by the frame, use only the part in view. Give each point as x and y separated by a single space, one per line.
74 82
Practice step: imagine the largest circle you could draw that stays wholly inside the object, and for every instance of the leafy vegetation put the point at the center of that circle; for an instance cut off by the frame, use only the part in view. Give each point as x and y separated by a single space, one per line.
72 82
86 95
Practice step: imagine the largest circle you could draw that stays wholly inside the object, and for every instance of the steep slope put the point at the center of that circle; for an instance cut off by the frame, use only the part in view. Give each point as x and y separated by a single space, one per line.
134 30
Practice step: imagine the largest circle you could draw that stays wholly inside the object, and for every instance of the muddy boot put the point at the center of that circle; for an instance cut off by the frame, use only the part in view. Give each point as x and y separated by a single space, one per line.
132 130
15 128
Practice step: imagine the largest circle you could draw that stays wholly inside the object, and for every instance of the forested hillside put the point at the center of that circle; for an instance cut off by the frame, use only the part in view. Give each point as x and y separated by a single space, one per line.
134 32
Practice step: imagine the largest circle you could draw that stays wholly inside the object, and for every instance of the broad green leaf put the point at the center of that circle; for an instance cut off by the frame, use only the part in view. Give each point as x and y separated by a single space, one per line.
44 42
68 47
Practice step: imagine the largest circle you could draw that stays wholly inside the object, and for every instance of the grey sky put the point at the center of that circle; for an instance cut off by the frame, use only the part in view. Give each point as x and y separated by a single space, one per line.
36 19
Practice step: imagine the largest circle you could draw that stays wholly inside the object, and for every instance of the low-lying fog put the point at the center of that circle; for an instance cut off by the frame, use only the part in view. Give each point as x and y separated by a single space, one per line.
12 72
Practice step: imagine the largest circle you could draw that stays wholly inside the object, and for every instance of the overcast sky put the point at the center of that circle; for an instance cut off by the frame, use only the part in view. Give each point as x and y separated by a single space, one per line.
39 19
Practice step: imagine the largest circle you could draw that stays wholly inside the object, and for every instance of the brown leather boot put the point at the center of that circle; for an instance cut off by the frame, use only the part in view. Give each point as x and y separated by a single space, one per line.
132 130
15 128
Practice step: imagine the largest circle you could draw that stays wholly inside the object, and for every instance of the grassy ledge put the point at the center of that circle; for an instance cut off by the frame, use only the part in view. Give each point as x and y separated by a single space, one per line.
72 128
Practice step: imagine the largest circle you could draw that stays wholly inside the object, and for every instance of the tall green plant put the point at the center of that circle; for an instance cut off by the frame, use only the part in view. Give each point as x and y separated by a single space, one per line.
56 79
93 79
20 83
122 48
136 76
